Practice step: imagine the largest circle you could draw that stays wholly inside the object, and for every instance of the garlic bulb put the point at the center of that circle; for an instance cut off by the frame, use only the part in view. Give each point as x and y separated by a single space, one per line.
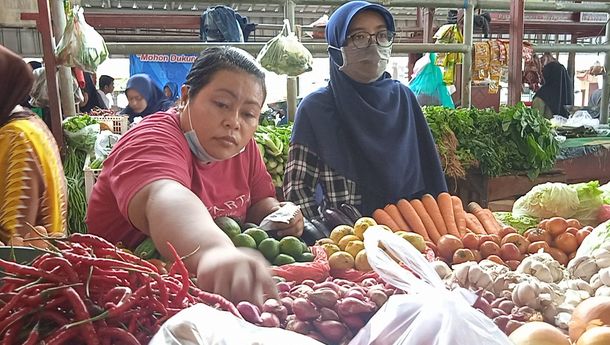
583 267
441 268
543 267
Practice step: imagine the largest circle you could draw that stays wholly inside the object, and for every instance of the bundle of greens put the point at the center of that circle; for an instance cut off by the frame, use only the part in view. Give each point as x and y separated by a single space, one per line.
517 139
81 132
273 143
284 54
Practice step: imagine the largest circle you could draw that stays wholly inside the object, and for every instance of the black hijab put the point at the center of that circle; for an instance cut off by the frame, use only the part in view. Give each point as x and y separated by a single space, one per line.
557 90
94 99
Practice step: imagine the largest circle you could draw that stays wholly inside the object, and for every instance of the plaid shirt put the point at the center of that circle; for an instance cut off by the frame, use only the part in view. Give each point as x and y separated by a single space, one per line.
305 171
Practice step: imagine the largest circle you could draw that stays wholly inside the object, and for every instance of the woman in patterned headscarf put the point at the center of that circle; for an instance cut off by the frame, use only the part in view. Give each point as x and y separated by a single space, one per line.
32 181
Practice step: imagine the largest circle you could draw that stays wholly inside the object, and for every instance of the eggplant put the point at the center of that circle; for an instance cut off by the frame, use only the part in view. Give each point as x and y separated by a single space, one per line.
311 233
334 217
351 211
321 226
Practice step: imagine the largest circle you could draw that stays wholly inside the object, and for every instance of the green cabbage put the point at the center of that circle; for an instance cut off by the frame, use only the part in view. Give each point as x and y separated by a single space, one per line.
521 223
548 200
606 190
589 202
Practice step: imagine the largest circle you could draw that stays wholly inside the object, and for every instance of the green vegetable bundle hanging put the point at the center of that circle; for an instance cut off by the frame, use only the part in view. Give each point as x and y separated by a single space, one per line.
284 54
81 46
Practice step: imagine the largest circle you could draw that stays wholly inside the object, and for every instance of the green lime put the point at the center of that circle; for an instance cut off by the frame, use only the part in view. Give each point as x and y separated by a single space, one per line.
244 240
291 245
283 259
247 226
305 248
270 248
228 225
306 257
257 234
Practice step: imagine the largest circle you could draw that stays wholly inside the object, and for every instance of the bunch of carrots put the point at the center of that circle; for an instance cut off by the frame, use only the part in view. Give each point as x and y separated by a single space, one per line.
433 218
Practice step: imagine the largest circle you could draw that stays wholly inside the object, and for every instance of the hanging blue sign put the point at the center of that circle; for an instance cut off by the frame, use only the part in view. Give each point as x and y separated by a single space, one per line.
162 68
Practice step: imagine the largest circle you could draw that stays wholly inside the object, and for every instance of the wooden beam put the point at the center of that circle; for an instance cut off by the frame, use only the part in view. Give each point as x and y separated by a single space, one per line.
515 70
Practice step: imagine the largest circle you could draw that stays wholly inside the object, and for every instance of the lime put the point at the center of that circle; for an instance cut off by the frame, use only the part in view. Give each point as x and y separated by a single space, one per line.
270 248
257 234
283 259
247 226
305 248
244 240
306 257
228 225
291 245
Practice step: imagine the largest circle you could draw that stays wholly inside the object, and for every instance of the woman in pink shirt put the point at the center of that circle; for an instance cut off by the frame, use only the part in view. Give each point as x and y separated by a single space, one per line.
175 171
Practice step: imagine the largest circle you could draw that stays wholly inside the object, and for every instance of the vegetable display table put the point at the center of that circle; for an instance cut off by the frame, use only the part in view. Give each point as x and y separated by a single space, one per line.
585 159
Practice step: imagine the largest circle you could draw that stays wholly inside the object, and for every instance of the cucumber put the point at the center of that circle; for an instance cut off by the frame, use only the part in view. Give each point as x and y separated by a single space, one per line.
146 250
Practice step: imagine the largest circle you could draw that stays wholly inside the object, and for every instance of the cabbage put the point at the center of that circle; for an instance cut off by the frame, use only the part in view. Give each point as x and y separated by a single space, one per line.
589 202
521 223
548 200
606 190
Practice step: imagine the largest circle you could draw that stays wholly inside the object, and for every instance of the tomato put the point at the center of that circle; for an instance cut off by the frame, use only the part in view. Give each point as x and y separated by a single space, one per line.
509 251
507 230
462 255
566 242
572 230
543 224
489 248
538 234
470 241
490 237
496 259
477 255
513 264
581 235
557 226
536 246
521 242
574 223
447 245
558 255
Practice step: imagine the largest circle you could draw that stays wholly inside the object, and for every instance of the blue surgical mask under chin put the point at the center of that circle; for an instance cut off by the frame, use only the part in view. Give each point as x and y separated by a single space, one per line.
195 145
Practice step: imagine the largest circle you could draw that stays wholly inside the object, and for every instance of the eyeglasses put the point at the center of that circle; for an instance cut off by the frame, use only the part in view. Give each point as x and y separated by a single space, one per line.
363 39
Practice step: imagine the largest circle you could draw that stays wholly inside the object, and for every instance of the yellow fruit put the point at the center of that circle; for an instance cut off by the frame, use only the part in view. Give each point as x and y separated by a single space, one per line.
323 241
340 231
330 248
361 225
347 239
341 261
354 247
362 262
416 240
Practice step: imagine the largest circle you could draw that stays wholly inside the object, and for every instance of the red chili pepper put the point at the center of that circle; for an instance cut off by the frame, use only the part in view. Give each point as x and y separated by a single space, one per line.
118 334
11 333
55 303
182 270
53 316
80 311
61 336
123 275
6 323
211 299
125 256
90 240
116 296
121 308
32 338
162 289
32 289
65 265
104 263
23 270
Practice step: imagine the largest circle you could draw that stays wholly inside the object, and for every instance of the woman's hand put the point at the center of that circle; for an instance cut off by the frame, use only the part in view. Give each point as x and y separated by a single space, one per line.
294 228
238 274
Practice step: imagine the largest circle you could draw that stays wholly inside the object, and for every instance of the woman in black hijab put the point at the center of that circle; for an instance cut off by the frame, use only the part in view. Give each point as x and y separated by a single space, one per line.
556 92
93 97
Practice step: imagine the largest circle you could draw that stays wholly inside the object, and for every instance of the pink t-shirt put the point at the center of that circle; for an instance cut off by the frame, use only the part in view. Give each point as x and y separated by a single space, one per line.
156 149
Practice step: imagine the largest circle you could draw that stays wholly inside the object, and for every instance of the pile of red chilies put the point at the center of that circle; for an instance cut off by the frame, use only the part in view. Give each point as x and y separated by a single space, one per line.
91 292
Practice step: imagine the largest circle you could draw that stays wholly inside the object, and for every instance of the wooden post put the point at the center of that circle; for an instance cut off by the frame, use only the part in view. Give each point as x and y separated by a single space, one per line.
516 52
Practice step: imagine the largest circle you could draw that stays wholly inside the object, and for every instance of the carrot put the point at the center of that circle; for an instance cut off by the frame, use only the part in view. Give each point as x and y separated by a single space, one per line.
435 213
459 215
425 218
392 210
382 217
473 224
446 206
486 218
412 219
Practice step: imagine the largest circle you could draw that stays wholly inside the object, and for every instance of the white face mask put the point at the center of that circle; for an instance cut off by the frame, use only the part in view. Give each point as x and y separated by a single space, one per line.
195 145
364 65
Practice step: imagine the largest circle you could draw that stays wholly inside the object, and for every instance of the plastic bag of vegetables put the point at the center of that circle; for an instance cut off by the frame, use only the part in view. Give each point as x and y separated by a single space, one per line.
81 132
80 46
429 314
284 54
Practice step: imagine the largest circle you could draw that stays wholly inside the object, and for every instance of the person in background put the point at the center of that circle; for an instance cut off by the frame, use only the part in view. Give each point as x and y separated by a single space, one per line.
32 180
363 139
171 91
106 87
173 173
92 98
144 97
556 92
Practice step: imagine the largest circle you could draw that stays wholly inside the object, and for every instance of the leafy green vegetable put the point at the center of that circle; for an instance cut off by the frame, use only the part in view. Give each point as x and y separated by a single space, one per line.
606 193
273 143
589 201
81 132
548 200
520 223
76 123
284 54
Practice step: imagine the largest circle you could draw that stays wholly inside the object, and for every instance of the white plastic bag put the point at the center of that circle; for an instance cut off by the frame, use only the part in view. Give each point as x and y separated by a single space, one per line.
284 54
429 314
104 143
204 325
